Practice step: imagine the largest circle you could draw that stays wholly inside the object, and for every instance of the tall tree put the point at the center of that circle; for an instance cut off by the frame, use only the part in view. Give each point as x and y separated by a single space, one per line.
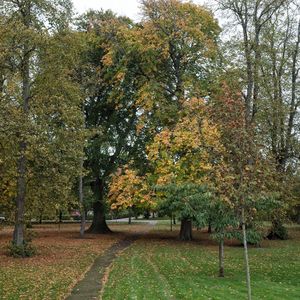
188 154
270 55
178 44
38 87
111 80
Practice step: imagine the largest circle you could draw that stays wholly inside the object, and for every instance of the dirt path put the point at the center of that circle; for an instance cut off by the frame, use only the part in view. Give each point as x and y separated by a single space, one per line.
91 285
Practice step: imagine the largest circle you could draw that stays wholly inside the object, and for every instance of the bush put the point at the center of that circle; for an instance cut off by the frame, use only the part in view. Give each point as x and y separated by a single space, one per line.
24 250
278 232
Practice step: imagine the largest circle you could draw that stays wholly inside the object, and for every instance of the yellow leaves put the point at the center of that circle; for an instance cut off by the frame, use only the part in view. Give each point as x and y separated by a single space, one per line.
108 58
128 189
188 151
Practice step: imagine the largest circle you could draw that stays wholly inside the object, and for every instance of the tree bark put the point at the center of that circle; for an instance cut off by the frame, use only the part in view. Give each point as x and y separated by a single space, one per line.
18 235
186 230
99 222
221 258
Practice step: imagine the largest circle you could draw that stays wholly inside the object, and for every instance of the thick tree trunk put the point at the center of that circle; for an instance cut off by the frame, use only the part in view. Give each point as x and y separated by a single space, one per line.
186 230
221 258
18 235
99 222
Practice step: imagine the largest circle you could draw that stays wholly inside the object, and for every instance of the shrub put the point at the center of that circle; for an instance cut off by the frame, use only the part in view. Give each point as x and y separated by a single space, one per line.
278 232
24 250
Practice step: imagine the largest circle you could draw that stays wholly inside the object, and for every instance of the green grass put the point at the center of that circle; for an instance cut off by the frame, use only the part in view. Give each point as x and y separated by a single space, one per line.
169 269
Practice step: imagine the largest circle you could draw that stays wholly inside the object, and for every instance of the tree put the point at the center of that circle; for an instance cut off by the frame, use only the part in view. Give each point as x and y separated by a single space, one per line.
189 154
38 89
177 42
278 117
269 52
111 81
134 83
250 175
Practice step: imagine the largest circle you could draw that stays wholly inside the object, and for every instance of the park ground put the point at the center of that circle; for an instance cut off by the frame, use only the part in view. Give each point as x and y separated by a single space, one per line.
156 266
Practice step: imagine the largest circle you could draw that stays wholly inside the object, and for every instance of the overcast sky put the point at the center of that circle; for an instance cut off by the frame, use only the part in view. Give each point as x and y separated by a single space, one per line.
129 8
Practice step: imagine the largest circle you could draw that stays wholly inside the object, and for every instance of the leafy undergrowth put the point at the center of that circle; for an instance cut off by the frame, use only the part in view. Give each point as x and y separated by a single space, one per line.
61 261
159 267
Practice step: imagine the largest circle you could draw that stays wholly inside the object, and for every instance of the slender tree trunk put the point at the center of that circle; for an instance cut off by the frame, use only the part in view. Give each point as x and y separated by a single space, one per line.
171 223
174 220
209 229
221 258
99 222
186 230
246 255
130 215
82 210
60 215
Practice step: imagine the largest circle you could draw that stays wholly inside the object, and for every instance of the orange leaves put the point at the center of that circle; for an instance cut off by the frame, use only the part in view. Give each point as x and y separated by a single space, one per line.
127 189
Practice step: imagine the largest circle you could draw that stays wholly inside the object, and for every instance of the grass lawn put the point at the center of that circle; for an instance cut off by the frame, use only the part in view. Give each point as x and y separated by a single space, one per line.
61 261
159 267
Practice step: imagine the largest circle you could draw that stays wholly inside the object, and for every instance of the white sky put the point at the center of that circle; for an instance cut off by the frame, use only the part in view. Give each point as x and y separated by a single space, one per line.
128 8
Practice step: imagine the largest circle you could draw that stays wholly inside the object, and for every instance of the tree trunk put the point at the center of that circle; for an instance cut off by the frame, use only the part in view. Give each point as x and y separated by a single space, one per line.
221 258
186 230
18 235
209 229
174 220
246 255
129 217
99 223
60 215
82 210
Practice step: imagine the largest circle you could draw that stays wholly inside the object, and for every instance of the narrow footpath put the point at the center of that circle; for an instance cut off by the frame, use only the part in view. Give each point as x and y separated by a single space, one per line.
91 285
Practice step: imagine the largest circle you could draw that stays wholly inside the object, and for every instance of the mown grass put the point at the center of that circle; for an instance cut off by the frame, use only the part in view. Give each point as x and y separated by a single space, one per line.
163 268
